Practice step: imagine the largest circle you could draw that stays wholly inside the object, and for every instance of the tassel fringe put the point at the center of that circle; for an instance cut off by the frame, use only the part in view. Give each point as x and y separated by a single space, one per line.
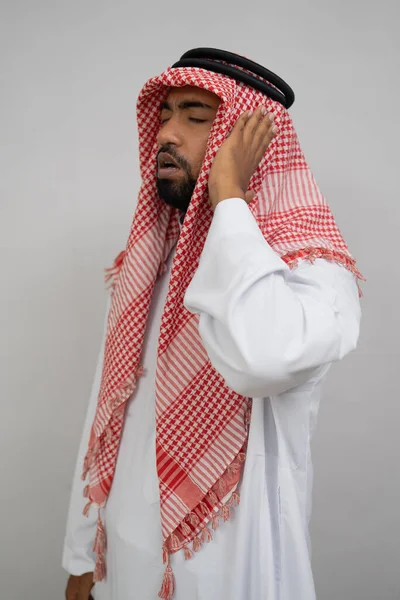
222 487
174 542
226 512
310 254
100 548
235 498
185 529
197 543
168 585
206 535
100 540
203 508
213 497
193 519
100 569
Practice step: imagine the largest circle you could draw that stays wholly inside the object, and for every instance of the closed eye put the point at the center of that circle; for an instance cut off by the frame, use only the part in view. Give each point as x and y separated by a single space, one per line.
190 119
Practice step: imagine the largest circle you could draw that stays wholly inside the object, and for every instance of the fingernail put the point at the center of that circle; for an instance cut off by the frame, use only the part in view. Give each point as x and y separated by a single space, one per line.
250 112
274 129
271 117
263 110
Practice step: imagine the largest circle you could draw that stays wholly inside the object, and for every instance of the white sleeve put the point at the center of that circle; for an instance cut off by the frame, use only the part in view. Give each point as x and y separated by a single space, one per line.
78 556
267 329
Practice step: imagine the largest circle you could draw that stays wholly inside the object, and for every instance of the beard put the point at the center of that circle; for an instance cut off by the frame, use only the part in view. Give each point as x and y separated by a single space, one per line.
177 193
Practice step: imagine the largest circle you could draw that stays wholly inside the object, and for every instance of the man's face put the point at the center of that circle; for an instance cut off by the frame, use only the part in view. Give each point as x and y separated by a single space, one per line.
186 118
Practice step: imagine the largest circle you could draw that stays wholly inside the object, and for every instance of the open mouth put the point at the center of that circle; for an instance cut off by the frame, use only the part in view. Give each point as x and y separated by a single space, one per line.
167 166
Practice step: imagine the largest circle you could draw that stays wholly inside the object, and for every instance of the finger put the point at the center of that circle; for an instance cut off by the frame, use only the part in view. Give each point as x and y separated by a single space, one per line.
254 121
265 134
261 143
241 122
265 124
268 132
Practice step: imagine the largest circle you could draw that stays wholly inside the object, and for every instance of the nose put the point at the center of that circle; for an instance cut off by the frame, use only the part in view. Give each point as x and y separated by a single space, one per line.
170 133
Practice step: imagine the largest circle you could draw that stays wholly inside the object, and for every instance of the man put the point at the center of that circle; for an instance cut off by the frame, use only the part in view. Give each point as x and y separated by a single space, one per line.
234 294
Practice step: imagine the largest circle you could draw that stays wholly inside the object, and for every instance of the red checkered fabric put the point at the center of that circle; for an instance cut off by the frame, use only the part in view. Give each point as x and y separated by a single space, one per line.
201 424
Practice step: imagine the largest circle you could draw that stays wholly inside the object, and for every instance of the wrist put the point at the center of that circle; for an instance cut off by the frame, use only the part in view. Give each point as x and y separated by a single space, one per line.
220 194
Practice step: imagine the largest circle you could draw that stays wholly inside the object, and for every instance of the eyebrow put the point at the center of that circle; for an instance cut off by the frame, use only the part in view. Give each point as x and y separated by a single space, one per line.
184 105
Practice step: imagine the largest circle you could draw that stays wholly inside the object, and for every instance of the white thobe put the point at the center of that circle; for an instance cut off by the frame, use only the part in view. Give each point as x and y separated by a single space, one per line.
272 334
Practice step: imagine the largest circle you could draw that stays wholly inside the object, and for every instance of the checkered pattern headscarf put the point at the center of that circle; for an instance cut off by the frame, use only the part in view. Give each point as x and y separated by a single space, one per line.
202 425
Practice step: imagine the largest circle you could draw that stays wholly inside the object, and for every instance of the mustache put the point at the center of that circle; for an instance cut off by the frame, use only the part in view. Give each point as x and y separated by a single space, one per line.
180 160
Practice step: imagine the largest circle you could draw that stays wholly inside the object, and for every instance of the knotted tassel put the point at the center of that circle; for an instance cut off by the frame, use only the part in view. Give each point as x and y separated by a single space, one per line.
221 487
206 535
187 553
193 519
197 544
215 521
185 529
168 585
100 568
241 457
174 541
236 498
226 512
233 468
99 547
204 508
247 417
213 497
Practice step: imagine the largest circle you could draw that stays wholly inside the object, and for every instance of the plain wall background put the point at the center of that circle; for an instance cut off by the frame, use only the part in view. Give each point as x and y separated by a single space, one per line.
70 73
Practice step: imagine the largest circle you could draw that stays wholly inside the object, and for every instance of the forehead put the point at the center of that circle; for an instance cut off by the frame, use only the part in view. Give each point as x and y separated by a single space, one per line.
191 93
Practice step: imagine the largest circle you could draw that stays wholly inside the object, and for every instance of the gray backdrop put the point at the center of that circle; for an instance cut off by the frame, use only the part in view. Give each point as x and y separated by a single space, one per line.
69 76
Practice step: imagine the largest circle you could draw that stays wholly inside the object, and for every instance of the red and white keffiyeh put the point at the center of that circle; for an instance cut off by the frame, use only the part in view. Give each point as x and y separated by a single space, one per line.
201 424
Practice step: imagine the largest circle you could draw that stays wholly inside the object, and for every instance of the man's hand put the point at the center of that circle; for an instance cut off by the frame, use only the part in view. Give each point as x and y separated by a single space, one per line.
79 587
239 156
